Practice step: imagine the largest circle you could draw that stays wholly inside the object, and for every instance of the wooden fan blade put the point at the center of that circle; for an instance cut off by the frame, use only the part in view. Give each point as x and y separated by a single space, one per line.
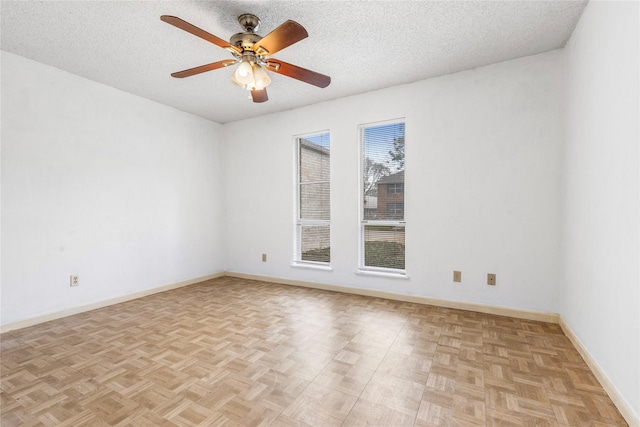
203 68
285 35
298 73
259 95
190 28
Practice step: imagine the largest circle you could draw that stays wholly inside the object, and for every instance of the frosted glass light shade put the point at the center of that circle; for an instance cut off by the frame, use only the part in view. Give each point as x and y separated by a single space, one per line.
244 73
261 78
250 76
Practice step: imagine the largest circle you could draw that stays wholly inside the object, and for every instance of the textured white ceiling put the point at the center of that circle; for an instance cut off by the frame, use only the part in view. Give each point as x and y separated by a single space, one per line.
362 45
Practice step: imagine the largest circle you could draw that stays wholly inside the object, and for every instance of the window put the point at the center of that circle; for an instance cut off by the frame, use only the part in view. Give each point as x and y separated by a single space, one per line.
313 242
382 225
397 188
395 209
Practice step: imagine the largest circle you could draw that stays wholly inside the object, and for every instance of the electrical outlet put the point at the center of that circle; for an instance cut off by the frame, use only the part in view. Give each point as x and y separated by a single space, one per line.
491 279
74 280
457 276
264 257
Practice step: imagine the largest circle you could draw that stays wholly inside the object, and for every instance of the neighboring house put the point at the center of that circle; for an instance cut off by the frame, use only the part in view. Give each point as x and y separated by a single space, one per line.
314 193
391 196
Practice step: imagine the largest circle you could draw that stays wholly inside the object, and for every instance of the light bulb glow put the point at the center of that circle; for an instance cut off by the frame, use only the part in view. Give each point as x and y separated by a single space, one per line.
244 73
250 76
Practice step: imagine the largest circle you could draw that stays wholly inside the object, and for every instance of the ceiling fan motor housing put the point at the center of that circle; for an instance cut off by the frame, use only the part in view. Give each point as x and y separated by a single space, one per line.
244 41
248 38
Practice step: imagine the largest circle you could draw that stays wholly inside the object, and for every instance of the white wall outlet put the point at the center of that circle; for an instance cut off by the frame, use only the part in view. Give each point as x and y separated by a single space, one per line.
74 280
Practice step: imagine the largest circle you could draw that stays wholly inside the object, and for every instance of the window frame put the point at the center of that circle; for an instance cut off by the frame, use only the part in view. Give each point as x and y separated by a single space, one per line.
299 222
362 222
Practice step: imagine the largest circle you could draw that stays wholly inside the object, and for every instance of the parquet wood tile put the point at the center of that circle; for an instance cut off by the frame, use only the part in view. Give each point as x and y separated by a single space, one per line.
365 413
319 406
233 352
344 377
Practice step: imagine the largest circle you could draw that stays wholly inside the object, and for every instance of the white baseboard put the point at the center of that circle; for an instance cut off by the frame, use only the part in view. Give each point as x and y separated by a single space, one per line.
123 298
481 308
623 406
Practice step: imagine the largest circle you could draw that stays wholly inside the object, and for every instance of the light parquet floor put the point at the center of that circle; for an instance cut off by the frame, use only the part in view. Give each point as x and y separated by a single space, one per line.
238 352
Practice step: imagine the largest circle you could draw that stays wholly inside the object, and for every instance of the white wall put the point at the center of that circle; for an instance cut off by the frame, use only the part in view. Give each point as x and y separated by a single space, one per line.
601 301
482 192
133 195
118 189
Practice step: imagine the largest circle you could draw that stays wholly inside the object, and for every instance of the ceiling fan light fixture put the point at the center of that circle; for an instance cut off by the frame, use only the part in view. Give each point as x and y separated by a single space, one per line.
237 82
260 77
244 73
256 78
252 53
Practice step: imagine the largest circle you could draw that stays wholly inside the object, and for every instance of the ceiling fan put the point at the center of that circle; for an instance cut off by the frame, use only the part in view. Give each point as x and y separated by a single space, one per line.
253 53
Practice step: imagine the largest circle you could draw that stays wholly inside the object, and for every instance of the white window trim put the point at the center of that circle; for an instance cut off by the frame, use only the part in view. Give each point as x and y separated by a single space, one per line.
368 270
298 223
312 265
383 272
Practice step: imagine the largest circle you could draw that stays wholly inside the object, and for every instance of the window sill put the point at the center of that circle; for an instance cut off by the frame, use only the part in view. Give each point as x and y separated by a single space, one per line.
297 264
387 274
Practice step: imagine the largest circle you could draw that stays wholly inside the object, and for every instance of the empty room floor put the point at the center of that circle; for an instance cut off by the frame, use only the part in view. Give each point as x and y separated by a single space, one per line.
238 352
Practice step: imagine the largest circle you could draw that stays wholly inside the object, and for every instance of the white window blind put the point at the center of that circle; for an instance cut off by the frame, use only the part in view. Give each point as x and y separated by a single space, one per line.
313 228
382 233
